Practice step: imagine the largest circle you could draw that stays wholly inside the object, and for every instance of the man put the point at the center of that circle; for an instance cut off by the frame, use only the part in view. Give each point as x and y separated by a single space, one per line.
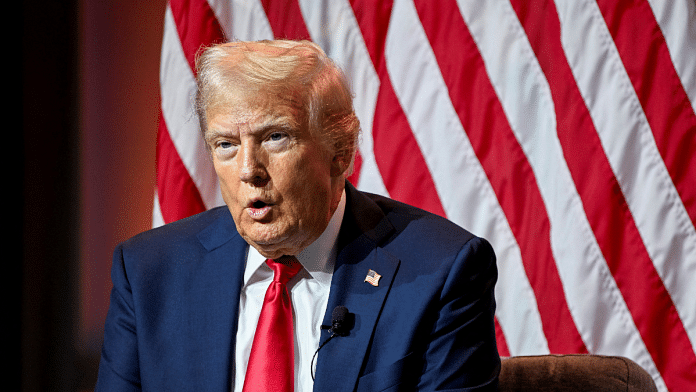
188 310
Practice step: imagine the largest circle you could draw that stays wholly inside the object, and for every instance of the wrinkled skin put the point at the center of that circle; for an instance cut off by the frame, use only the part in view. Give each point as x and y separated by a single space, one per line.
278 181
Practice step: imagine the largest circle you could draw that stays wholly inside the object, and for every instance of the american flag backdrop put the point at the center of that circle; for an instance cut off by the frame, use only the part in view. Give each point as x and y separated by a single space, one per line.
564 132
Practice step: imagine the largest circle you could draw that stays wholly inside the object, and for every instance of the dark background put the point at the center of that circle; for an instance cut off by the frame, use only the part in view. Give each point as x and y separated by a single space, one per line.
90 101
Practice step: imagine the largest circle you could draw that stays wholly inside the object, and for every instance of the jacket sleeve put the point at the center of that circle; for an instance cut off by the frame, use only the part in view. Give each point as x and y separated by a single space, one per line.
119 365
461 353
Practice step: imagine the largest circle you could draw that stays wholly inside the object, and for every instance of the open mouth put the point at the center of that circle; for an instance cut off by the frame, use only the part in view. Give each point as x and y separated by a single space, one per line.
258 209
258 204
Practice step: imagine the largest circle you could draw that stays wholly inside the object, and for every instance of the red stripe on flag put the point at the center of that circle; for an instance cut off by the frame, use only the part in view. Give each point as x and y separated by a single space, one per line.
606 208
286 19
398 156
197 27
505 164
176 191
645 56
374 23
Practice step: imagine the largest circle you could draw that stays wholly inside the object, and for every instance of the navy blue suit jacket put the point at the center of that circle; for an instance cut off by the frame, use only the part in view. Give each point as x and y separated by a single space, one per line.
428 325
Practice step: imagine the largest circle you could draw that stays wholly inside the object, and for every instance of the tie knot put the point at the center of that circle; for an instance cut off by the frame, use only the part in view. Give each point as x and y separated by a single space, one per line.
284 268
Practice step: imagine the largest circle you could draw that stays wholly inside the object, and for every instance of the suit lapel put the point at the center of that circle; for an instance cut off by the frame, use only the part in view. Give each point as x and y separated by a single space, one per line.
339 362
216 283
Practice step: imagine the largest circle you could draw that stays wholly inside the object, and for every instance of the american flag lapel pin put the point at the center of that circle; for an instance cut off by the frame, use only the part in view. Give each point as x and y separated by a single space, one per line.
372 278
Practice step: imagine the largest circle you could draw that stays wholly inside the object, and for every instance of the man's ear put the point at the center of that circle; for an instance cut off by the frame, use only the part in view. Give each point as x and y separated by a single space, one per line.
339 164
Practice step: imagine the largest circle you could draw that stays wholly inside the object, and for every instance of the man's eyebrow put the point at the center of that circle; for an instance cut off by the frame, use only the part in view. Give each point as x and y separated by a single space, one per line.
279 126
214 132
285 126
275 123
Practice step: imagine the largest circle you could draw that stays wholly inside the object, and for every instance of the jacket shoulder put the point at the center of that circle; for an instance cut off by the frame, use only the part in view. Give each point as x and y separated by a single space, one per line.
410 220
423 240
184 232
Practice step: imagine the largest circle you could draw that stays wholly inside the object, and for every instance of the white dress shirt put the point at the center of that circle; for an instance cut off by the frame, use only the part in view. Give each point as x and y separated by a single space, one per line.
309 291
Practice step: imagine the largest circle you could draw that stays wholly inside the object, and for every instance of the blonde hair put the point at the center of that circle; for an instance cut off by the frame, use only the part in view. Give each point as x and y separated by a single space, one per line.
297 72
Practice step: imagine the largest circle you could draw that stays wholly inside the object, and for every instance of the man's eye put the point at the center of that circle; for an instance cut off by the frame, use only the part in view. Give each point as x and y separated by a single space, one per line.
225 144
225 149
276 136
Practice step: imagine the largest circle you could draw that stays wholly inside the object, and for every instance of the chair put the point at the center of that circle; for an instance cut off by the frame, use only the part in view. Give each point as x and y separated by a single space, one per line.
575 372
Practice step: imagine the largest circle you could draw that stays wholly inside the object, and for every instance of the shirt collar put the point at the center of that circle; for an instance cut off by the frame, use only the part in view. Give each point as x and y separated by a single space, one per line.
317 259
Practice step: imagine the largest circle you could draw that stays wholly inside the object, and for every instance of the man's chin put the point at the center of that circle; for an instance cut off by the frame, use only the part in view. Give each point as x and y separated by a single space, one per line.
271 247
276 241
273 251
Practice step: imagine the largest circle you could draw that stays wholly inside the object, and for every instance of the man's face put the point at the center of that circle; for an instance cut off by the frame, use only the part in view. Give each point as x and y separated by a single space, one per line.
280 185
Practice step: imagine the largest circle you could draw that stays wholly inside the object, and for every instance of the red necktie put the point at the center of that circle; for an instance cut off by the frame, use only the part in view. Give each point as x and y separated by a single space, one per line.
272 359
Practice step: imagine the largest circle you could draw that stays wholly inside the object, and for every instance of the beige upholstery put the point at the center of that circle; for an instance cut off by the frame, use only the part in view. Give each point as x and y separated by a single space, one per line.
573 373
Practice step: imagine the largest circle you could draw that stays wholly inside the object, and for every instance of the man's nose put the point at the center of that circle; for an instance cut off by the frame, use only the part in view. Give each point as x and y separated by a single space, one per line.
252 169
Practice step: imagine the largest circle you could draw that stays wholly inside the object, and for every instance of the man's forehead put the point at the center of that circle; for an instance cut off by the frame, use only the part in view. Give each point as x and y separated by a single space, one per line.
250 118
247 106
238 114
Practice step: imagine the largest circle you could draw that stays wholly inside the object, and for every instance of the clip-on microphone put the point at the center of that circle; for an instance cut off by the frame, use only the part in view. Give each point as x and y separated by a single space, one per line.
339 322
340 326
